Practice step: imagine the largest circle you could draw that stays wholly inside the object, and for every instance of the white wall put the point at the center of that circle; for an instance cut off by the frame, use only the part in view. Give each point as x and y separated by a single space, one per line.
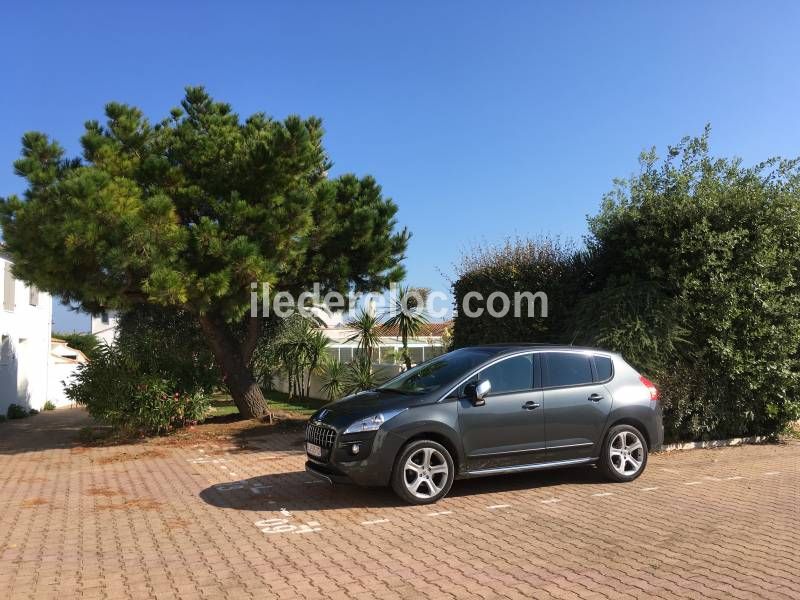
60 375
382 371
105 330
24 344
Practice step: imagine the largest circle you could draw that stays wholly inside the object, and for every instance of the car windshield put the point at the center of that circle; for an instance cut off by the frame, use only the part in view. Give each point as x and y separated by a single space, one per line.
437 373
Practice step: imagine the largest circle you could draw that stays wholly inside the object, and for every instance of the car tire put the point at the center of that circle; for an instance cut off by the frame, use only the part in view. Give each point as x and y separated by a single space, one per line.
423 472
624 454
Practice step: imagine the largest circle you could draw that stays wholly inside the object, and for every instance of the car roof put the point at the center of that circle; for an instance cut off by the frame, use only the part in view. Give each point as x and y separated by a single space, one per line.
503 348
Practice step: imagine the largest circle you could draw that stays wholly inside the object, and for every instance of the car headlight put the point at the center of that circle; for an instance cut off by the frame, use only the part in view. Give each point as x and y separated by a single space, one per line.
372 423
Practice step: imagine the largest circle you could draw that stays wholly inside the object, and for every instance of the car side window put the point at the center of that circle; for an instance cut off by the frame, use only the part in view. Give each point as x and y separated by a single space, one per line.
604 367
568 368
513 374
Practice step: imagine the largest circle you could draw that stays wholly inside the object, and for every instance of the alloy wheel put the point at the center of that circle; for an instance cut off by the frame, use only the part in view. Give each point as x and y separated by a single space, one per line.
425 473
626 453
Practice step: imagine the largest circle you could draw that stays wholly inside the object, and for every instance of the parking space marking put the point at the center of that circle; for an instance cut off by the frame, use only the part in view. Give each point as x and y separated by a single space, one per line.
601 494
496 506
734 478
669 470
551 501
374 521
649 489
443 512
256 488
205 460
275 526
692 482
772 473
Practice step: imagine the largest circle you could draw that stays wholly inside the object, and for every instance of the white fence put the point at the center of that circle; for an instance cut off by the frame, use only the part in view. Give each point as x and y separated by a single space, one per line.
383 371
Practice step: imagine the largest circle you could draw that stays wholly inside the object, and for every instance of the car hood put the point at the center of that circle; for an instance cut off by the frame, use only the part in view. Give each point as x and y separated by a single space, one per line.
342 413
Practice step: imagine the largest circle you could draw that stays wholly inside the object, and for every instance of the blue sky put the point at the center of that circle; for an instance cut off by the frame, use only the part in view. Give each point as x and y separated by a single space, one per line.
481 120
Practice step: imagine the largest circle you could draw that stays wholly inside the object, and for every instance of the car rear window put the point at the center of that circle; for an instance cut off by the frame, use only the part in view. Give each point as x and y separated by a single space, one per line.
568 368
604 366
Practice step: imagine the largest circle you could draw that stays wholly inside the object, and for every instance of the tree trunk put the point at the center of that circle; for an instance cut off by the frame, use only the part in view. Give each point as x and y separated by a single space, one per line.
237 376
406 354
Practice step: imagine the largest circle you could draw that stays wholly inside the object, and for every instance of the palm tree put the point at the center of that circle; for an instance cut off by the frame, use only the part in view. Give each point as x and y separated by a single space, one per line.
334 376
408 315
316 347
367 334
359 375
300 347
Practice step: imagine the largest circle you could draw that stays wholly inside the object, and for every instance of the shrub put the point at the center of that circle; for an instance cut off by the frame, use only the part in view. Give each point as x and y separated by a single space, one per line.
359 376
2 418
691 271
519 265
115 390
33 411
15 411
49 406
333 377
168 344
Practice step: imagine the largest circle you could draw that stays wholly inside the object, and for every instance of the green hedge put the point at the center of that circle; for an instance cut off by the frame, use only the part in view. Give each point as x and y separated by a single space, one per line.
691 271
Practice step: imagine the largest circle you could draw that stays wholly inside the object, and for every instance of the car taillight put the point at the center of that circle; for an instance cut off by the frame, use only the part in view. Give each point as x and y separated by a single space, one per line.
651 387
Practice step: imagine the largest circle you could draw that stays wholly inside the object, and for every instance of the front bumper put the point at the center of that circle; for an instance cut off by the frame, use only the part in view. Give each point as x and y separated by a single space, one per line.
375 469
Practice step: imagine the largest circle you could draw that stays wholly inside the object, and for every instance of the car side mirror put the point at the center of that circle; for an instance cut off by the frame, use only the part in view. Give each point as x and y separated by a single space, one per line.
477 391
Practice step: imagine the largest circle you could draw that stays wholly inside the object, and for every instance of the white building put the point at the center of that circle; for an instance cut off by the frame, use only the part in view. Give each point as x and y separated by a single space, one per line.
104 327
25 327
64 363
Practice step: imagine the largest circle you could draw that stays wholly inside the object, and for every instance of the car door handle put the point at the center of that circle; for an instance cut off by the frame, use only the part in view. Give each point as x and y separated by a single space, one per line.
595 398
530 405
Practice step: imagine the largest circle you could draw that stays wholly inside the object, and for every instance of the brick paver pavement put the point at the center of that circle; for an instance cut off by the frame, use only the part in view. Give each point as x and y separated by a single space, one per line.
234 519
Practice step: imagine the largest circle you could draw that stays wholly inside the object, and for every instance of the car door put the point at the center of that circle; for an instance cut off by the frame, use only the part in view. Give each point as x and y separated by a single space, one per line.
576 405
508 429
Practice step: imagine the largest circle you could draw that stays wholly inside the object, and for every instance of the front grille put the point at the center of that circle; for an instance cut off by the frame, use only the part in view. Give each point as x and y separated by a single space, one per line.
320 435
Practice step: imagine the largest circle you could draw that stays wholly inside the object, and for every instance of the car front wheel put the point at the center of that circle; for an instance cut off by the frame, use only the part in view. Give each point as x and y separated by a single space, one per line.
423 472
624 455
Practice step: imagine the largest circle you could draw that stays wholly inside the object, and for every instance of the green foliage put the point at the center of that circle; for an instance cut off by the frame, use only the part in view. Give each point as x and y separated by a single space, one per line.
2 418
15 411
33 412
297 348
85 342
49 406
116 391
722 242
367 333
359 375
334 378
168 344
519 266
158 375
187 212
692 272
408 314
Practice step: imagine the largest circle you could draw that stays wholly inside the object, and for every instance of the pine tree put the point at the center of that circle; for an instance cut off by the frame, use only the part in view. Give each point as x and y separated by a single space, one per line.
188 212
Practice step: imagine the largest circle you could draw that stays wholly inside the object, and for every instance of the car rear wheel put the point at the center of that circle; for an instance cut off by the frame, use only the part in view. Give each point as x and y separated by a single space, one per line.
423 472
624 455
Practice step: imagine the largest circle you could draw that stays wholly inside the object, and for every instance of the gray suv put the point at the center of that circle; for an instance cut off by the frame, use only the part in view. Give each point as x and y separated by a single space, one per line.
489 410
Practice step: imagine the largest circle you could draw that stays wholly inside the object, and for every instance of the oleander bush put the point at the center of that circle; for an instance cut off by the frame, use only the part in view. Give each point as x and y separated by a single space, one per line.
116 391
158 375
692 271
